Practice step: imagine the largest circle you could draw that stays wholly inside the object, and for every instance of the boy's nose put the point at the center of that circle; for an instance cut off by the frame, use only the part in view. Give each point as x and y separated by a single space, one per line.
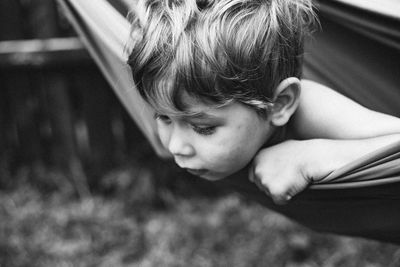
179 144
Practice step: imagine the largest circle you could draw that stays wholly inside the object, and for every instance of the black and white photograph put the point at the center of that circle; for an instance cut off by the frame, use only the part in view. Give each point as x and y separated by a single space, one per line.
201 133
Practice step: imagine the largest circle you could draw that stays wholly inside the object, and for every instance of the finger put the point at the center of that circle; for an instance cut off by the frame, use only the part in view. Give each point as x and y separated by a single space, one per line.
284 196
282 200
261 186
254 179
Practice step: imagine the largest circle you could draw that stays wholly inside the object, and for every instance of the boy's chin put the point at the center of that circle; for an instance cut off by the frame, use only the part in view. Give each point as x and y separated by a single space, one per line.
214 176
211 175
217 176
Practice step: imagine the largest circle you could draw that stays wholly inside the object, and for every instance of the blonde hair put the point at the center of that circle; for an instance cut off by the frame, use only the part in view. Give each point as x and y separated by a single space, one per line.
216 51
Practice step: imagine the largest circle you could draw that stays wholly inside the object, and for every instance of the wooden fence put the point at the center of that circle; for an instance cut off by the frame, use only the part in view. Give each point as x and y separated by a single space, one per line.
55 106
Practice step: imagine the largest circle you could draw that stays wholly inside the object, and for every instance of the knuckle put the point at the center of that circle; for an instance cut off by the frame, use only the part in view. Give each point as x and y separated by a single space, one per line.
258 174
278 190
265 182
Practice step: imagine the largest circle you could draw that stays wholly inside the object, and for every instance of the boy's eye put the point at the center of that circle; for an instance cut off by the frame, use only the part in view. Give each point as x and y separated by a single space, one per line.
204 130
162 118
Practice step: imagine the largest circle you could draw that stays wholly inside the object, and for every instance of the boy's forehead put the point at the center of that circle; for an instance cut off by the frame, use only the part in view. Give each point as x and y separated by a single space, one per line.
196 110
195 104
194 107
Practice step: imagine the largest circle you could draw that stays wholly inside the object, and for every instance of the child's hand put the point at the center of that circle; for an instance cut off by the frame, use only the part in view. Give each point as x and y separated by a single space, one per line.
286 169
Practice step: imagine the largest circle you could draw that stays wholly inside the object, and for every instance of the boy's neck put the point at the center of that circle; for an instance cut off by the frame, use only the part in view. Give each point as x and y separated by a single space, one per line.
279 135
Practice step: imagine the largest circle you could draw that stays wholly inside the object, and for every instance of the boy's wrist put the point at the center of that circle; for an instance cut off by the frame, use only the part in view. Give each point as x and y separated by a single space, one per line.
323 156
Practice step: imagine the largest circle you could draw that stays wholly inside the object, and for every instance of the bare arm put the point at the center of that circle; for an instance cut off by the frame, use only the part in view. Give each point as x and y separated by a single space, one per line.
324 113
287 168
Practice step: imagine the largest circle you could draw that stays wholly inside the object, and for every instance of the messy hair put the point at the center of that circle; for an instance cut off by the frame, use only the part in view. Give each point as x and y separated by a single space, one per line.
217 51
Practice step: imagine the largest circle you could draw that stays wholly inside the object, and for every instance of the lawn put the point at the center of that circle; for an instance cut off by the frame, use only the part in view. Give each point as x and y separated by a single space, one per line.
121 227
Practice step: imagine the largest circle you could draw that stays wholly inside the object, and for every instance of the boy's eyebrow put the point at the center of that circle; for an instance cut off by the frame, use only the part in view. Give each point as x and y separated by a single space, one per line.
200 115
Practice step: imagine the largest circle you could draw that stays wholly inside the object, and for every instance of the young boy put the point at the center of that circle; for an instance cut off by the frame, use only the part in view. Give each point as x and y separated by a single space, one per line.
224 80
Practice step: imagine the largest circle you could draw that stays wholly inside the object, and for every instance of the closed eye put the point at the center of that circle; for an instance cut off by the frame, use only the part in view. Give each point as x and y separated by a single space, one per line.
204 130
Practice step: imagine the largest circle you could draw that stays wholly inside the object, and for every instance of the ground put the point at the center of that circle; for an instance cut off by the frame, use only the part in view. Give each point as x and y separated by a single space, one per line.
55 228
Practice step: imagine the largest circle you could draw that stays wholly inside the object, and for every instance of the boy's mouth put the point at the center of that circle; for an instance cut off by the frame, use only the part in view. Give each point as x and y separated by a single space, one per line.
197 172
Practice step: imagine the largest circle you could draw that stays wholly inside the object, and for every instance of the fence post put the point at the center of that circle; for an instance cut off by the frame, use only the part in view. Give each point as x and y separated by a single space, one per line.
20 122
43 23
97 100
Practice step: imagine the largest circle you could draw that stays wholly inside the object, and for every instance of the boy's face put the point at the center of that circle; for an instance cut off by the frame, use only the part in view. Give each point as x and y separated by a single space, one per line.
217 142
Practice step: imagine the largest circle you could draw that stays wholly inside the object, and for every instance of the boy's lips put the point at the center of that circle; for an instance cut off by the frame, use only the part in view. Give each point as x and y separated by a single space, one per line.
197 172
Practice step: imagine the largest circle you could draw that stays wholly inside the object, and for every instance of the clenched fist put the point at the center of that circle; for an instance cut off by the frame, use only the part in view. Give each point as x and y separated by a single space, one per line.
286 169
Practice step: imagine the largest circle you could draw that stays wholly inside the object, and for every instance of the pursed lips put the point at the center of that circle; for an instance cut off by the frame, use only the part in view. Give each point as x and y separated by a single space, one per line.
197 172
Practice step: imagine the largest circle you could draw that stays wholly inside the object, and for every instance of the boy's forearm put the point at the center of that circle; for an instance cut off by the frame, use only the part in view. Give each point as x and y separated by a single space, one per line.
333 154
285 169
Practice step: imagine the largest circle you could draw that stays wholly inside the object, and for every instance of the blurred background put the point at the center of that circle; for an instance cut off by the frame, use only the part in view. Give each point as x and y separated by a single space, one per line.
81 186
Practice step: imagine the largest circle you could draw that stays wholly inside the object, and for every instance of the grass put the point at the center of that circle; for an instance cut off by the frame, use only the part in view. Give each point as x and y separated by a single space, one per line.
121 228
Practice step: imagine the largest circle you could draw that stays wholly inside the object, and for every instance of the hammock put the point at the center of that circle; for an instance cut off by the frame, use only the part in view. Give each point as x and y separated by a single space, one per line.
359 199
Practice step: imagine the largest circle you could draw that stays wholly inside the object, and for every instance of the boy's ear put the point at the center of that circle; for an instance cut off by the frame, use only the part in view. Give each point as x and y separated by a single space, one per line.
287 97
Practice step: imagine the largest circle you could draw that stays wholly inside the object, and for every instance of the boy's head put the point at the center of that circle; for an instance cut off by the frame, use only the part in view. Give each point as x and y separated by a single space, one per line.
216 53
216 50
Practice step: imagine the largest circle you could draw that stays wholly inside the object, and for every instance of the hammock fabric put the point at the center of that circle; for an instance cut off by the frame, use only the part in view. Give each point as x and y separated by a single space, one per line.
359 47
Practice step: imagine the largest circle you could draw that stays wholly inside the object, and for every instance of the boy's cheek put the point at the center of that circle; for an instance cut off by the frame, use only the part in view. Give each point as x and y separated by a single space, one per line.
162 135
226 165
